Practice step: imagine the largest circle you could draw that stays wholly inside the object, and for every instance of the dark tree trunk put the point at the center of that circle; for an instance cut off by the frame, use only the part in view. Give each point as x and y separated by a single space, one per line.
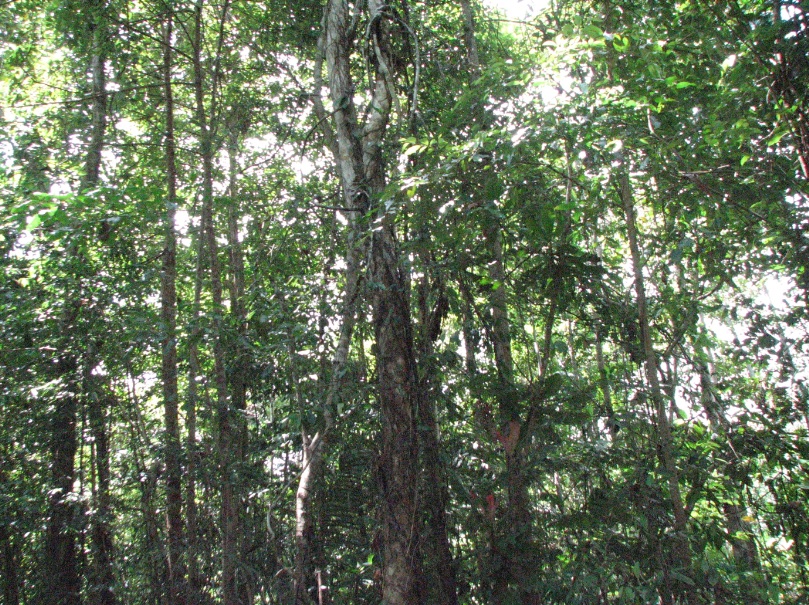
168 294
102 590
61 566
10 556
440 568
61 554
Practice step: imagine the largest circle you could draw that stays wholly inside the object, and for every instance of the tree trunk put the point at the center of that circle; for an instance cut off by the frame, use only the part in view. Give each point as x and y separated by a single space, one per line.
512 568
239 356
10 557
10 554
61 569
665 444
102 589
359 160
168 298
224 411
440 569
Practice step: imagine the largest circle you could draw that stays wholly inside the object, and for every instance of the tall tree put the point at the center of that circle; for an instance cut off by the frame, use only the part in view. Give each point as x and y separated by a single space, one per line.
176 559
363 179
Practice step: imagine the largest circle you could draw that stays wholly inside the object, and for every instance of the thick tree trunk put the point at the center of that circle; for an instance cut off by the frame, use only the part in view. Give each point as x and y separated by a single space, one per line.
168 295
398 464
359 161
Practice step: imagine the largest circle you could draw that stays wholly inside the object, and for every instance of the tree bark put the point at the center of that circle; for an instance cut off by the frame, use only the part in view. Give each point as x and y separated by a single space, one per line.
176 572
102 589
61 568
440 569
239 354
10 557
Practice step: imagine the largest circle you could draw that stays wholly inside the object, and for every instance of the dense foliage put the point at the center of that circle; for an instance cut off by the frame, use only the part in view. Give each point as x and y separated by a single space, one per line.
404 303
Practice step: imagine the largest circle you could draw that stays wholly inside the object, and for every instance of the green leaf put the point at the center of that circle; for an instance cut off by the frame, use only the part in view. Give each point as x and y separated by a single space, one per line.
593 31
777 136
33 222
682 578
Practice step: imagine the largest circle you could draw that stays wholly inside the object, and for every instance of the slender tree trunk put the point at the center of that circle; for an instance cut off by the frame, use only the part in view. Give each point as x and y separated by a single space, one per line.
612 423
195 594
168 295
239 356
97 399
224 412
194 372
10 555
512 569
102 589
314 445
665 443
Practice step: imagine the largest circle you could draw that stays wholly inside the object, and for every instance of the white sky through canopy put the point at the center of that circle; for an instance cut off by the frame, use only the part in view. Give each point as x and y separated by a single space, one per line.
517 9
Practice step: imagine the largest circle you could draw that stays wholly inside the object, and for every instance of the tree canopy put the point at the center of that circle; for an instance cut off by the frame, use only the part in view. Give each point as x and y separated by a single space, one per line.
408 303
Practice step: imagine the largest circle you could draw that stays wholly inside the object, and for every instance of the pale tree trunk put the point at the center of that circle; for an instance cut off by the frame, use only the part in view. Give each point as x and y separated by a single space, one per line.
168 300
665 442
359 161
314 445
